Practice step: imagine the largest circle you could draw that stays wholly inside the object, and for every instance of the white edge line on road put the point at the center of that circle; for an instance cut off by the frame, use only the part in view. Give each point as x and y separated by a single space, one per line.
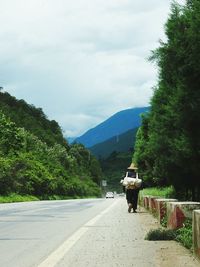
59 253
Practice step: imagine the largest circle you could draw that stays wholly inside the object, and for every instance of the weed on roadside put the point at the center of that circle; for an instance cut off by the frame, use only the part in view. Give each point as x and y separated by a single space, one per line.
184 234
164 221
160 234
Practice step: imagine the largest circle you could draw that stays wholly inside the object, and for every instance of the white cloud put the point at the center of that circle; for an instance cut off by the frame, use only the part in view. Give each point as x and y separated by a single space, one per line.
80 60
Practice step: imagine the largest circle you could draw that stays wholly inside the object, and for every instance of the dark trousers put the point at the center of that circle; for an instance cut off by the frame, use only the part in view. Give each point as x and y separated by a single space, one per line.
132 197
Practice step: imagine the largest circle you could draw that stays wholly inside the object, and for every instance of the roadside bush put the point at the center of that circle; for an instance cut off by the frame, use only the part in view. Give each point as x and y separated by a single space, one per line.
182 235
160 234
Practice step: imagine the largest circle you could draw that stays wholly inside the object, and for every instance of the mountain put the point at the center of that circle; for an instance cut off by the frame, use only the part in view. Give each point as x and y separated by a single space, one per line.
35 158
70 140
31 119
115 125
120 143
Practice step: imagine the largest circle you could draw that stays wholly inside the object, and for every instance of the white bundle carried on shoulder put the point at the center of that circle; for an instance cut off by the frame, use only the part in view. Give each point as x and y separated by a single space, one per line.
131 182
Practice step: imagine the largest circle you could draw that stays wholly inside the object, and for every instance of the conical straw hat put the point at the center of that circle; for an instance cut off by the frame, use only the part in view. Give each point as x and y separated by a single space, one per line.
132 167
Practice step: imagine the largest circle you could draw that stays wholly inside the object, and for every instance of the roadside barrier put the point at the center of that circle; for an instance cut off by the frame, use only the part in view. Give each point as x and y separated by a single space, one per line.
161 207
196 232
176 213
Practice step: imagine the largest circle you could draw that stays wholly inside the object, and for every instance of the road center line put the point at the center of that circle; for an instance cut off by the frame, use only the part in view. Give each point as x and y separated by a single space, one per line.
59 253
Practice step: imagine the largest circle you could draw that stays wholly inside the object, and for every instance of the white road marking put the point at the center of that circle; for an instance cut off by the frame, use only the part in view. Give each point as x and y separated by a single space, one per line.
59 253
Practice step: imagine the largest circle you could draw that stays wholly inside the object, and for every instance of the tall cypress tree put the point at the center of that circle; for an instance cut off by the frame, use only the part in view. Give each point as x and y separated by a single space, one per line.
173 132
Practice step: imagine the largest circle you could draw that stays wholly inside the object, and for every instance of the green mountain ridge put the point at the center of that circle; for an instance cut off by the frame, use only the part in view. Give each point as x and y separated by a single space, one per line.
120 143
32 119
35 159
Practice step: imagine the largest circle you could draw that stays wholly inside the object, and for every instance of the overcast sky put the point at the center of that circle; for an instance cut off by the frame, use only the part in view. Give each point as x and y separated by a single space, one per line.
81 61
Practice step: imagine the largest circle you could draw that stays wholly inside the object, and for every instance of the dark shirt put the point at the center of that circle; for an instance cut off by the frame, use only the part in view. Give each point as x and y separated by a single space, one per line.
132 174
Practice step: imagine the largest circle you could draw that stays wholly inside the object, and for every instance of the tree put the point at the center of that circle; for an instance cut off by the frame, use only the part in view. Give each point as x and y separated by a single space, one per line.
31 166
11 140
173 132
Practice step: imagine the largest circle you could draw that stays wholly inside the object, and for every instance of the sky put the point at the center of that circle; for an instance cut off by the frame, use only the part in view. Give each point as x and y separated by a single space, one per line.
81 61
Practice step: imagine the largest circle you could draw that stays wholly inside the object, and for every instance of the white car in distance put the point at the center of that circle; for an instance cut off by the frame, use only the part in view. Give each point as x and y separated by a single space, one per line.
109 195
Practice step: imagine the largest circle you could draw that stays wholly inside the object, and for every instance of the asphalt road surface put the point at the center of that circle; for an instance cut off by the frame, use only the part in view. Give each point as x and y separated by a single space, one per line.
83 233
30 231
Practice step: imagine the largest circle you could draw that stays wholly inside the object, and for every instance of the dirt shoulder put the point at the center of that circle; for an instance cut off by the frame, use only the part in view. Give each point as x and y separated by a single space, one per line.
117 239
168 253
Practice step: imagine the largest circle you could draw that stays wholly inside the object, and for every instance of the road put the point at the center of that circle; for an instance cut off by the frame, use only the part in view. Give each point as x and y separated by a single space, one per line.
83 233
30 231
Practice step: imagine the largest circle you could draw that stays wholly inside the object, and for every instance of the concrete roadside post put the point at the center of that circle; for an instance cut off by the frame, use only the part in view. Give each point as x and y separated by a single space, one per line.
146 202
177 212
196 232
161 207
152 204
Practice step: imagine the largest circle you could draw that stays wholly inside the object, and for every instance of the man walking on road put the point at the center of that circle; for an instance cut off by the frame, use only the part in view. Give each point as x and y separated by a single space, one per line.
132 190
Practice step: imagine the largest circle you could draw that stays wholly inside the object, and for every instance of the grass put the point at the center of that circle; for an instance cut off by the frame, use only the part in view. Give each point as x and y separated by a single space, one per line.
17 198
164 221
165 192
160 234
61 197
184 234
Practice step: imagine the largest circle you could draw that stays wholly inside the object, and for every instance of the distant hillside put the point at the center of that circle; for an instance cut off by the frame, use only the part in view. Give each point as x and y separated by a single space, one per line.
119 123
70 140
35 159
121 143
32 119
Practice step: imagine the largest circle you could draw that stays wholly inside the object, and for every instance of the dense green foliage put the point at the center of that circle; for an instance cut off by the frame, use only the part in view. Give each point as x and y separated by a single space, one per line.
30 166
32 119
168 144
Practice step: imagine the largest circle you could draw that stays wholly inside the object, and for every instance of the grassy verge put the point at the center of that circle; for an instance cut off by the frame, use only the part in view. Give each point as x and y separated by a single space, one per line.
183 235
17 198
165 192
60 197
